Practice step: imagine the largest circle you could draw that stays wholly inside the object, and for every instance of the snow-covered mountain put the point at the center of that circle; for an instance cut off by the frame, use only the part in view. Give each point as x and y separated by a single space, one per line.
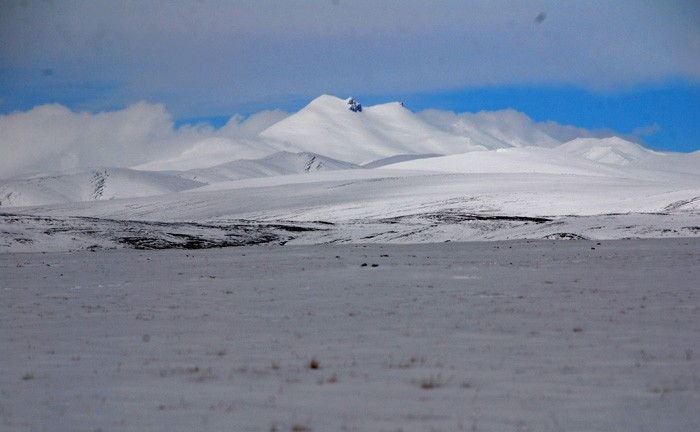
330 127
429 177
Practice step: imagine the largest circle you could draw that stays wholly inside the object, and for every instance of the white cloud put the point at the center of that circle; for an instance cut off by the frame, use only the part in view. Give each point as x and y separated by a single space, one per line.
568 132
503 125
248 127
52 137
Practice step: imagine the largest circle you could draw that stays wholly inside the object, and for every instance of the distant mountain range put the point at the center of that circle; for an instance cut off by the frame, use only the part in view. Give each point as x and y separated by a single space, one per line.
332 134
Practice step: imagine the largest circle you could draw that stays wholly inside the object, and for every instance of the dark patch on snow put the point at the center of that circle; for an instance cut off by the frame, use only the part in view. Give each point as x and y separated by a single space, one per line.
191 242
98 183
354 105
323 222
449 217
564 236
455 217
112 233
681 203
292 228
309 163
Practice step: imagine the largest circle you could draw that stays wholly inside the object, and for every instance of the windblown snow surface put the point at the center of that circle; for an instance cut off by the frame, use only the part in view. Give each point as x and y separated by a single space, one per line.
392 272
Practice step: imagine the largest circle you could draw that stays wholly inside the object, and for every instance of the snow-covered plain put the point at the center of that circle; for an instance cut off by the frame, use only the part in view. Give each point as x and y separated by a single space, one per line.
380 312
509 336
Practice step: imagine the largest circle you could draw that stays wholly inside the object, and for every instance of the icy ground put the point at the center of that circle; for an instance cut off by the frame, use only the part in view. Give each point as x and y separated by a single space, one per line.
492 336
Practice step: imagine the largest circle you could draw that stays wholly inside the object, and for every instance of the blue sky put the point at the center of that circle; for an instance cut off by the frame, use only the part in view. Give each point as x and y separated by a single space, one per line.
631 66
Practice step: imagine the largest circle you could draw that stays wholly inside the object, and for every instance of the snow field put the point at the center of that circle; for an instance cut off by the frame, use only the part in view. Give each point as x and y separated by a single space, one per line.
523 335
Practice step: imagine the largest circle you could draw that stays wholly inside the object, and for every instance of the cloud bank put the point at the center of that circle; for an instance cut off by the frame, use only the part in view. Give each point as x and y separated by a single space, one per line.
508 123
52 137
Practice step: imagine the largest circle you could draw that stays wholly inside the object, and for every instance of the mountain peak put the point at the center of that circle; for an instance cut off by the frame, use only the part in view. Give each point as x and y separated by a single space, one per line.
326 101
332 103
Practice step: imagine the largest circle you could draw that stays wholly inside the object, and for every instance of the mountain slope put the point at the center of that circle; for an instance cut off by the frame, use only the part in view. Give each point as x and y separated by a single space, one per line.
280 163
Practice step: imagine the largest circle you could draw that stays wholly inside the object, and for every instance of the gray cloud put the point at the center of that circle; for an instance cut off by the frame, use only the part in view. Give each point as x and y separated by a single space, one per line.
210 57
